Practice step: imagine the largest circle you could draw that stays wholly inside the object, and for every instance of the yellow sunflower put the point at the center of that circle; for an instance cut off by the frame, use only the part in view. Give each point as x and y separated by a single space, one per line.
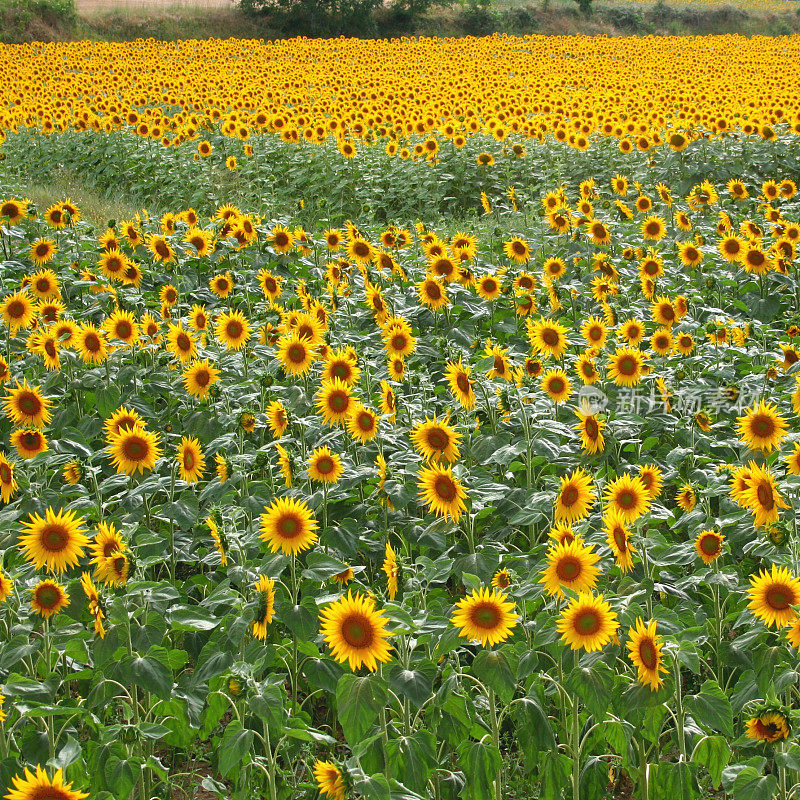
199 377
362 424
575 497
334 402
133 449
39 786
485 616
191 461
761 495
389 567
25 405
619 540
265 609
55 541
591 431
288 525
436 440
29 442
232 330
570 565
295 354
587 622
356 631
442 491
458 379
556 383
708 545
8 483
329 780
325 466
762 427
769 726
48 598
645 646
772 595
628 497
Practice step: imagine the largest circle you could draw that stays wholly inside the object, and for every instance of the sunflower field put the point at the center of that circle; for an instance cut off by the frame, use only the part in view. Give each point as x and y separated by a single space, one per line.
431 432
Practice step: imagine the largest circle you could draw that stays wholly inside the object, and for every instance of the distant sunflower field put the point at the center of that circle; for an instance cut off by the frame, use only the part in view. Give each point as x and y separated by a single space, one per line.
432 434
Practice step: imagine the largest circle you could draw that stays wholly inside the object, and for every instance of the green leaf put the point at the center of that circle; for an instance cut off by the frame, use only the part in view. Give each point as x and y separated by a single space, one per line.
413 758
319 567
119 775
374 787
593 685
750 784
555 774
480 762
492 669
713 753
415 684
358 702
193 619
149 673
234 747
675 781
533 729
712 708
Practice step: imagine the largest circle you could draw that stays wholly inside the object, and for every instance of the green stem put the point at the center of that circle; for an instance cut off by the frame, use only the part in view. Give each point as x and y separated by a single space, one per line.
498 781
575 744
679 712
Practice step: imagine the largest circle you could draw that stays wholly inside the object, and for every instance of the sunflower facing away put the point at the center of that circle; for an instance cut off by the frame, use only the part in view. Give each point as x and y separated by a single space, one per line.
442 492
485 616
288 525
55 541
587 622
265 598
772 595
39 786
570 565
8 483
356 631
644 646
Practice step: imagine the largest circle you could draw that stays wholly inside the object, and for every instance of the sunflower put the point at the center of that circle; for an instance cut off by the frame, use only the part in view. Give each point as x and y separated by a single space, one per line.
356 631
594 331
591 431
792 461
626 365
90 342
652 479
432 294
485 616
645 646
362 424
29 442
762 427
547 337
48 598
120 419
341 364
761 495
442 492
55 541
501 579
14 210
489 287
570 565
8 483
6 587
277 418
628 497
632 330
288 525
265 598
708 545
575 497
587 622
618 540
114 570
133 449
517 250
769 726
122 325
556 383
686 497
295 354
772 595
17 311
388 401
106 542
334 402
42 251
191 461
389 567
436 440
329 779
325 466
360 250
232 330
25 405
199 377
458 379
40 787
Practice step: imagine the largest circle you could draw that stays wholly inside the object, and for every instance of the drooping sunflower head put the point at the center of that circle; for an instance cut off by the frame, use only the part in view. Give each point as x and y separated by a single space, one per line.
330 780
769 725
